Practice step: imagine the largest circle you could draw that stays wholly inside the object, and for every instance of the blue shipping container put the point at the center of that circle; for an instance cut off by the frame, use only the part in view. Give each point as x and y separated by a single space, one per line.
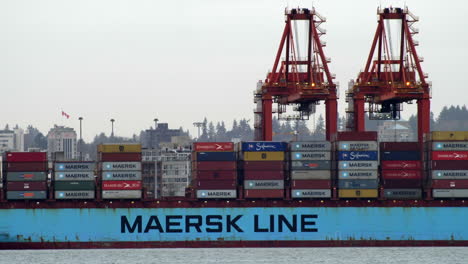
400 155
357 155
216 156
264 146
358 184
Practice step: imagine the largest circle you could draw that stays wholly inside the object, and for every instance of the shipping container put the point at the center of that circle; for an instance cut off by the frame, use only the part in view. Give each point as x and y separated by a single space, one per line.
358 174
118 194
304 146
358 193
357 155
27 166
400 146
121 185
358 165
264 146
311 165
401 174
116 148
74 185
311 175
357 146
310 193
26 176
215 156
74 195
263 165
401 164
264 194
217 194
311 184
400 155
26 186
123 156
449 155
450 193
26 195
262 175
74 176
121 166
121 175
215 175
449 135
263 184
449 165
357 136
215 185
263 156
401 184
450 145
358 184
402 194
26 156
450 174
317 155
75 166
214 165
450 184
213 146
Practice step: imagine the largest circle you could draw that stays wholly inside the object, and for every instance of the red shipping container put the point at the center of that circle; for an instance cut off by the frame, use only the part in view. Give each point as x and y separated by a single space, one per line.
450 184
401 164
401 174
215 184
249 194
311 184
357 136
123 156
215 165
213 146
263 175
215 175
121 185
27 186
400 146
449 155
402 184
449 165
26 156
263 165
27 166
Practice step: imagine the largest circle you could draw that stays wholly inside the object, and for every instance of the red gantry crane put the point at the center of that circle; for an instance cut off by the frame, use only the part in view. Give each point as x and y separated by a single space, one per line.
392 76
299 81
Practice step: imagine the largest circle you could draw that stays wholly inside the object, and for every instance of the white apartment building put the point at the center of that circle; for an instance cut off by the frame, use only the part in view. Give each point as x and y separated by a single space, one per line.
62 139
12 140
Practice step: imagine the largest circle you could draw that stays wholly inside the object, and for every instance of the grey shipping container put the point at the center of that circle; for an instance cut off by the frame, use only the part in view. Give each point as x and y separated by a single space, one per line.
74 194
358 184
450 174
311 193
318 155
127 194
264 184
311 175
311 165
121 175
358 165
74 185
403 194
310 146
74 176
454 145
121 166
26 176
450 193
26 195
357 145
75 166
358 174
215 194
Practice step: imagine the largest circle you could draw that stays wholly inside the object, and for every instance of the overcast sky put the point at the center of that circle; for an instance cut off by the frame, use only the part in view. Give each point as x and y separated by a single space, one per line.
181 61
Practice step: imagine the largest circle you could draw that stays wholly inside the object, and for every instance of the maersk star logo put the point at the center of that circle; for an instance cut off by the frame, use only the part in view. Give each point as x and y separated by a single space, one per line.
344 174
203 194
439 174
61 194
439 146
251 184
298 193
298 146
298 156
344 146
345 165
61 167
61 175
108 175
108 166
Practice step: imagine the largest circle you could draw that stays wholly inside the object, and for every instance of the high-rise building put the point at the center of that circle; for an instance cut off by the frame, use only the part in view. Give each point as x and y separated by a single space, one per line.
162 134
62 141
12 140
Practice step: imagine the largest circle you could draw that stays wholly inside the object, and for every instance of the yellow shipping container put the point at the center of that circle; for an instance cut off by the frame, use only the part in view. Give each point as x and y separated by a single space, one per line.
358 193
264 156
115 148
449 135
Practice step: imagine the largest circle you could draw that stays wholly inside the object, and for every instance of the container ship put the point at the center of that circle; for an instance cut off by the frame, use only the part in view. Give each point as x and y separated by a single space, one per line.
348 190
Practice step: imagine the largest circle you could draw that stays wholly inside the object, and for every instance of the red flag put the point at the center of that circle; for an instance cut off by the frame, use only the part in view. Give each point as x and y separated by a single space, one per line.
65 114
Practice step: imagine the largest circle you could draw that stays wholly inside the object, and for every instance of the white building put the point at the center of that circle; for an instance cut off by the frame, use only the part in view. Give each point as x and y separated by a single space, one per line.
175 174
12 140
395 131
62 139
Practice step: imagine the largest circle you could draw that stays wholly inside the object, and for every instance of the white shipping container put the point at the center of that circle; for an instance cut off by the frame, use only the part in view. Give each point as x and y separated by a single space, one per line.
121 166
74 194
358 174
311 193
358 165
317 155
264 184
450 193
310 146
449 174
214 194
310 175
125 194
358 145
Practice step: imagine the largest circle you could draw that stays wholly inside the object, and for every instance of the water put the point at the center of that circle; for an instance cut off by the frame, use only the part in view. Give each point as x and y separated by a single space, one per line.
241 255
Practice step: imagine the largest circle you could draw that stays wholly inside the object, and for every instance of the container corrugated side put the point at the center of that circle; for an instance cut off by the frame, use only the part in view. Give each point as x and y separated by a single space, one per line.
127 194
358 174
449 174
310 193
355 136
214 165
357 146
311 165
261 175
26 176
401 164
400 146
213 146
263 165
67 195
450 193
402 194
400 155
263 184
116 148
450 145
450 184
215 185
317 155
449 165
310 146
74 185
217 194
26 195
215 175
449 135
215 156
358 184
401 184
358 193
123 156
263 156
357 155
27 186
26 157
311 184
449 155
121 166
75 166
263 146
358 165
74 176
311 175
402 174
121 175
26 166
121 185
263 194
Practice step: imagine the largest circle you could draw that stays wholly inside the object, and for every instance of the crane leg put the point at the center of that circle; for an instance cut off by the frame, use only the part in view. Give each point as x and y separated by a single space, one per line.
267 118
331 116
424 118
359 114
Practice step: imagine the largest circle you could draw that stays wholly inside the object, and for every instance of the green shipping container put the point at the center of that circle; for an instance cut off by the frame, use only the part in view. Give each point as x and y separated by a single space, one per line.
74 185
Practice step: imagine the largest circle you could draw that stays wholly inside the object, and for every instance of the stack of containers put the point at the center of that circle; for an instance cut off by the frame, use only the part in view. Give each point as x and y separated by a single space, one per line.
120 170
26 175
311 174
449 164
263 165
357 156
401 170
214 170
74 180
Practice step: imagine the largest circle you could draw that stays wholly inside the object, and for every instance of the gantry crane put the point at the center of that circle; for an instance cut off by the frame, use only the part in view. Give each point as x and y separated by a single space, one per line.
392 77
302 82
